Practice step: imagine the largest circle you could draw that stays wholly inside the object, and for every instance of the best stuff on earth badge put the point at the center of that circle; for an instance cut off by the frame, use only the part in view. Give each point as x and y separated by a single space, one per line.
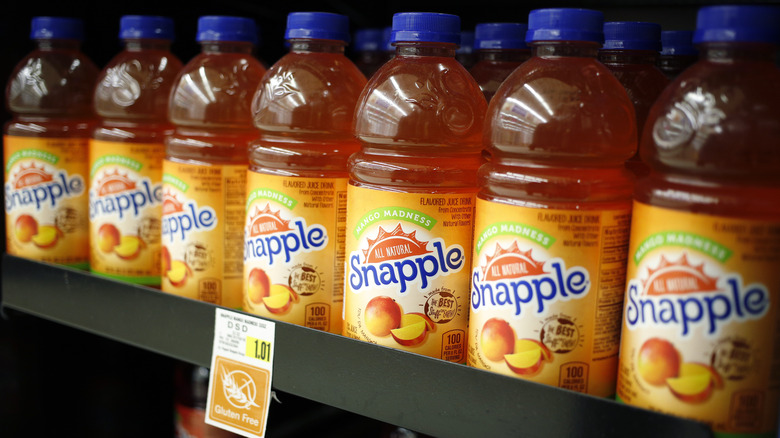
241 373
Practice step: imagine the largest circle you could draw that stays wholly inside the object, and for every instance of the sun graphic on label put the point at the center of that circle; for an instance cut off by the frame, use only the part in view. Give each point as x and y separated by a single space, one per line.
239 388
115 182
678 277
30 176
171 203
510 262
394 245
266 221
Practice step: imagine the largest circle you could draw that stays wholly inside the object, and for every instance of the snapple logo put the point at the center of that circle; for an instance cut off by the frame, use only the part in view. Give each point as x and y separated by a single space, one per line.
33 185
269 236
680 294
398 259
179 218
511 277
115 193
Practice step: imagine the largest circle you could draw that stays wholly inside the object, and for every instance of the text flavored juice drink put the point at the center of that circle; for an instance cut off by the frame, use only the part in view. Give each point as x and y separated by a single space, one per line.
297 184
701 320
630 52
127 151
553 213
501 48
411 194
46 147
204 172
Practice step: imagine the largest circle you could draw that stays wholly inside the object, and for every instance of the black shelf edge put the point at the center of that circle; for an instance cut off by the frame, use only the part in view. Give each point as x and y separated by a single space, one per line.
423 394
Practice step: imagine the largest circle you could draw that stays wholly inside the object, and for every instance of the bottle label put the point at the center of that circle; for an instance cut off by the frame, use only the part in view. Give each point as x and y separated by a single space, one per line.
294 249
407 276
202 231
46 203
547 294
125 208
701 325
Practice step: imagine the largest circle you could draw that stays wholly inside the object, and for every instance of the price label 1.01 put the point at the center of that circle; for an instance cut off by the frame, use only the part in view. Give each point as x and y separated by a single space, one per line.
241 373
258 349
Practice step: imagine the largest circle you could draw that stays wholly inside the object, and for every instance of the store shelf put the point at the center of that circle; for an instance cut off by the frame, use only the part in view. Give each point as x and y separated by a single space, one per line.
409 390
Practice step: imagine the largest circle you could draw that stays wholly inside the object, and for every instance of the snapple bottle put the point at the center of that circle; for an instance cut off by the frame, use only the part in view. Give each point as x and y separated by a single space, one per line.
204 171
553 213
500 48
677 52
46 146
369 53
127 150
702 304
296 205
630 52
410 200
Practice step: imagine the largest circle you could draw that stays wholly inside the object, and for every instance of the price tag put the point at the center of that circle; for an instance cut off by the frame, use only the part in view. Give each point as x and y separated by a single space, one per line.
241 371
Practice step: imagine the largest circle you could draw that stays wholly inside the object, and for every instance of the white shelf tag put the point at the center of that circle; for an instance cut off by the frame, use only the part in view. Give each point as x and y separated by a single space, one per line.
241 373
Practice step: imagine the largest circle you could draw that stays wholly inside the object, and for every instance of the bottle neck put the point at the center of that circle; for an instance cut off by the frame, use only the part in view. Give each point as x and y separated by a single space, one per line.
574 49
504 55
420 48
226 47
317 46
136 45
53 44
628 56
737 51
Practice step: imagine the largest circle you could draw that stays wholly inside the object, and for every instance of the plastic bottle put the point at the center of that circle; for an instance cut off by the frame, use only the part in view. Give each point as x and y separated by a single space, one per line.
46 146
297 183
466 54
387 45
127 151
369 53
500 50
553 213
411 194
677 53
204 172
630 52
700 335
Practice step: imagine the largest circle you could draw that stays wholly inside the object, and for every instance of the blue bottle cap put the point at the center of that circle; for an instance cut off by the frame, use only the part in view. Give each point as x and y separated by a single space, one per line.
368 40
426 26
500 36
677 42
387 39
224 28
145 26
62 28
466 41
563 24
632 35
318 26
738 23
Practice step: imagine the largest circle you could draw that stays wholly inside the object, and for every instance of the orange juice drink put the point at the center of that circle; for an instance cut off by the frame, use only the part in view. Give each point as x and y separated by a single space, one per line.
45 147
630 52
127 150
702 303
553 213
411 194
297 184
205 166
500 48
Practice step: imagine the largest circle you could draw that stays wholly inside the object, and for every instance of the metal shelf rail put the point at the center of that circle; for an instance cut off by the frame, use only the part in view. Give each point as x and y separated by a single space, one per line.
423 394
